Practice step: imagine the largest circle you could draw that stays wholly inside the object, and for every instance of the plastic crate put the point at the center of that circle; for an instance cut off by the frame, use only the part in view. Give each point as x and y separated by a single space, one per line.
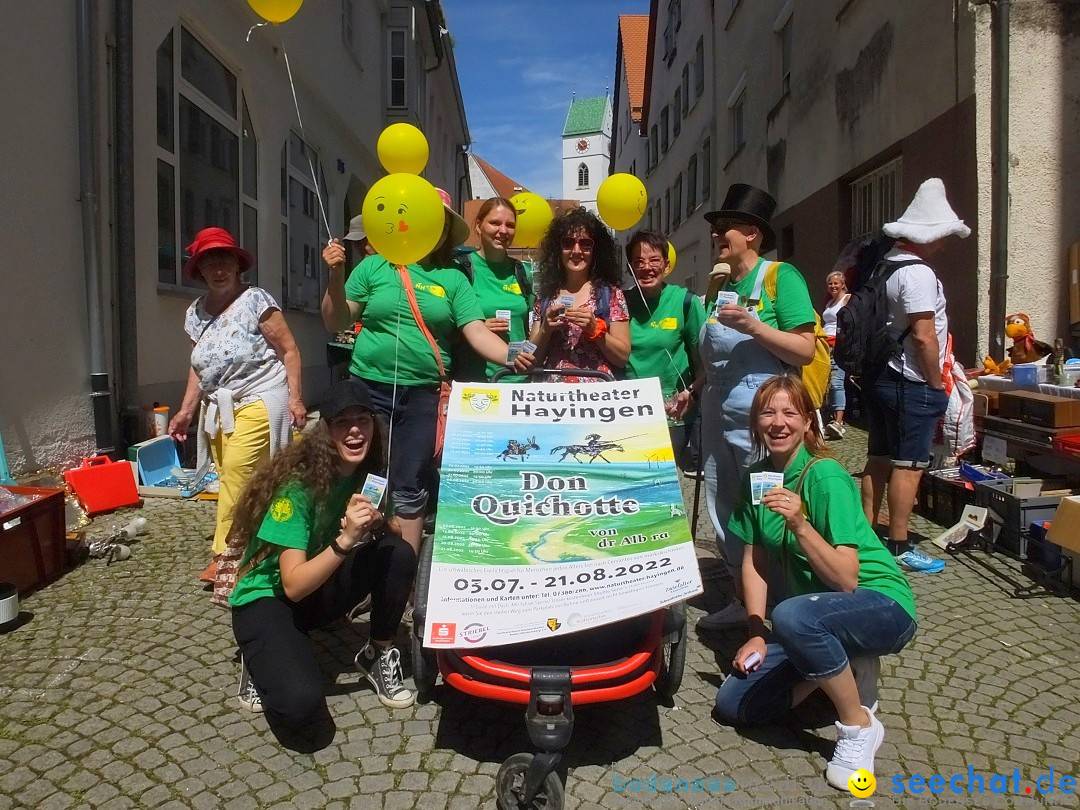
1013 506
33 545
943 496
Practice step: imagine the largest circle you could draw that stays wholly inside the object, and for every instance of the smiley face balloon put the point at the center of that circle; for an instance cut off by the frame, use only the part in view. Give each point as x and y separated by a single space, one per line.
622 201
533 218
404 218
671 257
861 783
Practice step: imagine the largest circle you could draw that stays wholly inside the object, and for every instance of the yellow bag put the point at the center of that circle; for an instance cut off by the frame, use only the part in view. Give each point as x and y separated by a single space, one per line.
815 375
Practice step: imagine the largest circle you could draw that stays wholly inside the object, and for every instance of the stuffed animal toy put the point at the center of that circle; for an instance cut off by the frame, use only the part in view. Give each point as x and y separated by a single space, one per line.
1025 348
996 369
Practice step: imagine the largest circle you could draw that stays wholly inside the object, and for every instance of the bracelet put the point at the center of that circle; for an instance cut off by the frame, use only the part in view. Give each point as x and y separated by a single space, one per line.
695 394
338 549
599 330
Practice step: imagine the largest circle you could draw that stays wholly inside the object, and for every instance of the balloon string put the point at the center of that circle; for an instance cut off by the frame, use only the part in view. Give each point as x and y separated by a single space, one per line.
256 25
307 154
649 309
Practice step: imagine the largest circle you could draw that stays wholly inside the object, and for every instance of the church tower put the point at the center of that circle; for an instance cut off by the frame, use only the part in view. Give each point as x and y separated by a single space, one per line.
586 149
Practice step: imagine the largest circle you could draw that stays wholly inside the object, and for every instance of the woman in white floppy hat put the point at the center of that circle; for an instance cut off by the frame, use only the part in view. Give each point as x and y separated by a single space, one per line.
907 398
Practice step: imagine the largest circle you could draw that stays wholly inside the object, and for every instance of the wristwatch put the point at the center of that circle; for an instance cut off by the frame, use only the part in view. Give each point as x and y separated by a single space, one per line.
338 549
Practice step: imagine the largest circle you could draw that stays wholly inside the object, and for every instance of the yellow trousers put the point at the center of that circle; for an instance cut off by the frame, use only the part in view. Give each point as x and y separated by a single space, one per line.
236 456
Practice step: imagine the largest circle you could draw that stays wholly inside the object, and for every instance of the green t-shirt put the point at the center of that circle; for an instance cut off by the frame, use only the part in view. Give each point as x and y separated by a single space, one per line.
833 506
496 287
792 308
446 302
664 338
292 521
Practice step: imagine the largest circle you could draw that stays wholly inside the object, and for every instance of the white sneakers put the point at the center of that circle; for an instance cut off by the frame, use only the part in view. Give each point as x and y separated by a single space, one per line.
734 613
855 749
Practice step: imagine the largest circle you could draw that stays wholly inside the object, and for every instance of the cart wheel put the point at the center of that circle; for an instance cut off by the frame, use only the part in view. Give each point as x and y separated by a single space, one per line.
511 779
424 667
673 650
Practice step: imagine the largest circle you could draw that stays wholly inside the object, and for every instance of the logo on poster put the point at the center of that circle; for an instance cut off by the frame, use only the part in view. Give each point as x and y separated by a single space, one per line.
480 400
553 625
474 633
443 632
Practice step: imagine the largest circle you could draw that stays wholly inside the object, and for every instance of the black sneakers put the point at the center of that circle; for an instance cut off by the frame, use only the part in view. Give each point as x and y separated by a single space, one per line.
382 668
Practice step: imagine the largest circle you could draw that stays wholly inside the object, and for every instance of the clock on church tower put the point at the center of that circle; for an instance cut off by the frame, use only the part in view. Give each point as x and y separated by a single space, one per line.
583 145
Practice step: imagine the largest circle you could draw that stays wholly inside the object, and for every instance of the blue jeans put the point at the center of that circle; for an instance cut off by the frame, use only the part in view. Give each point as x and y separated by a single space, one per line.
815 635
837 392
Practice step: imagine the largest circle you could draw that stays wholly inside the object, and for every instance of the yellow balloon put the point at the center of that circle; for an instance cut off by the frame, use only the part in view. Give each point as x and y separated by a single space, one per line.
276 11
402 149
671 257
403 217
622 201
533 218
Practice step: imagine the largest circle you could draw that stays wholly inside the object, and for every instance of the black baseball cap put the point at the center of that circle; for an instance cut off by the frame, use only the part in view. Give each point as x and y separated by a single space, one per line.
344 395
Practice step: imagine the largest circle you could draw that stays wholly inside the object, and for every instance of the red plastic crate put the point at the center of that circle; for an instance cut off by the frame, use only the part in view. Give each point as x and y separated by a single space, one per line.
1067 446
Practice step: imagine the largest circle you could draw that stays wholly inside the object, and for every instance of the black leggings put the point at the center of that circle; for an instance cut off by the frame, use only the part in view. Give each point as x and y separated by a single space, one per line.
272 633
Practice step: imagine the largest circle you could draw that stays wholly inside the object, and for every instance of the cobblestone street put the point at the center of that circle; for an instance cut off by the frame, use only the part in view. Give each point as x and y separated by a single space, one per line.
117 692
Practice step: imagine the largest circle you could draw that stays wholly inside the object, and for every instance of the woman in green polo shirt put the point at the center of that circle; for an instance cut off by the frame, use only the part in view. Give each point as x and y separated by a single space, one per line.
847 600
501 284
394 358
665 322
315 548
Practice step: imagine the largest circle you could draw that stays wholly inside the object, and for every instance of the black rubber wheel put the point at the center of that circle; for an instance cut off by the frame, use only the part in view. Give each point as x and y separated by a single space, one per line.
673 661
511 778
424 667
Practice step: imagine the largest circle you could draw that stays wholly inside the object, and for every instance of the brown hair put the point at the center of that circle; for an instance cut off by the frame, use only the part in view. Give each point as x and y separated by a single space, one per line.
792 385
312 462
490 205
654 239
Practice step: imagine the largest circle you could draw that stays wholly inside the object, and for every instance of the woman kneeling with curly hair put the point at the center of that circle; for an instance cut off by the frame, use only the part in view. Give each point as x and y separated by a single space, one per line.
315 548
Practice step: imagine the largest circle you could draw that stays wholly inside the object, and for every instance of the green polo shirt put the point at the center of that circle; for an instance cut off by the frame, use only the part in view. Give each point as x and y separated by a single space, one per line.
390 337
495 287
792 307
292 521
664 337
833 506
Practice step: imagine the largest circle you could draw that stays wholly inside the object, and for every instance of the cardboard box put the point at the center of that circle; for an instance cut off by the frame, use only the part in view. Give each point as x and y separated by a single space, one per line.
1045 410
1065 525
986 402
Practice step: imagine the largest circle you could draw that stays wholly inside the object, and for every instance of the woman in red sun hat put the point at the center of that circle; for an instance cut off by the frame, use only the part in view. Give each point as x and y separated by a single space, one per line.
245 372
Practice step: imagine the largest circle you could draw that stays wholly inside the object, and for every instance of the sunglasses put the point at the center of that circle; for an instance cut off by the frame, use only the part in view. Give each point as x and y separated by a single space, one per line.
721 226
585 243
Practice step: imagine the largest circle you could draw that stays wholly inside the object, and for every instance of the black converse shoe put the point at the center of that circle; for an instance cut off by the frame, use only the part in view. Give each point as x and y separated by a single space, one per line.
382 668
246 692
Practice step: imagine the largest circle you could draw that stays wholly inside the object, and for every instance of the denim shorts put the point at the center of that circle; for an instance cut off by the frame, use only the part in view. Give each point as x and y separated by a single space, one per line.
412 449
902 417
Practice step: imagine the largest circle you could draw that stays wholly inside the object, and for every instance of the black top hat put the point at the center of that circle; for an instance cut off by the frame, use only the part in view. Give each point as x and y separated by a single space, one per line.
751 206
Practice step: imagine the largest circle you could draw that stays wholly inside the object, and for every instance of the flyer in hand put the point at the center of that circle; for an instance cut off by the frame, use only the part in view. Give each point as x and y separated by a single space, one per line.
559 510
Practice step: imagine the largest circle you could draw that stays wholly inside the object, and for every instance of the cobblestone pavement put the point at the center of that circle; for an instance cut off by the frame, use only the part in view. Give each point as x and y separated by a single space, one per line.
117 693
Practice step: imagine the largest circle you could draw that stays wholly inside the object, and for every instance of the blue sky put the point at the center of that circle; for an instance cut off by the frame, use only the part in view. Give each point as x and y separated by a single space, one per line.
519 63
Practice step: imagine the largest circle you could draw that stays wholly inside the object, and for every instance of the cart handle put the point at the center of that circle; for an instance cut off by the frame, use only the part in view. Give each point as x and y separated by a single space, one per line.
569 372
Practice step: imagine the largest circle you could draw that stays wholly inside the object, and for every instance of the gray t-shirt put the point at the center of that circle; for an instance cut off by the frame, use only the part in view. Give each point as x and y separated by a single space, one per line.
911 290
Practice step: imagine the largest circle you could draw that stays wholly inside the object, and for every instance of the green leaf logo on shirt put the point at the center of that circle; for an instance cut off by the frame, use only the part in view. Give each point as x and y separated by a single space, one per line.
281 510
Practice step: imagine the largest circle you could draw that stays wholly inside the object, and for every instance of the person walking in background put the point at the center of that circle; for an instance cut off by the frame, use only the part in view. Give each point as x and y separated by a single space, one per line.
837 399
245 373
665 323
580 312
907 397
500 283
748 337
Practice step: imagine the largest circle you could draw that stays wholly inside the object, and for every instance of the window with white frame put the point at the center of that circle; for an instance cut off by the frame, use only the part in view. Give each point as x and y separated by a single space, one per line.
691 185
207 153
699 68
667 211
582 176
875 198
673 24
664 143
736 104
785 58
676 114
653 142
397 75
706 169
685 89
676 202
301 224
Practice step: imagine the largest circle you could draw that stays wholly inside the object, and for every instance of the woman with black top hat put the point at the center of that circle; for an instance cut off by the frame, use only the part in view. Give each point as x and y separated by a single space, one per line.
759 324
314 549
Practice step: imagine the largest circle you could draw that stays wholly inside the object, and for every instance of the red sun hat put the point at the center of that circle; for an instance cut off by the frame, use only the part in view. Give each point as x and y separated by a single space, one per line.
214 239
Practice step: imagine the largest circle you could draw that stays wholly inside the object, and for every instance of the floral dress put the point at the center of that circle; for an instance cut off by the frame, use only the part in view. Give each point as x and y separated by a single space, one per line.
569 348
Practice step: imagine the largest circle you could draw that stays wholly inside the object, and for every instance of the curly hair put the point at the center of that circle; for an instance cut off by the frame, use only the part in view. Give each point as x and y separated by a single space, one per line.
313 463
549 275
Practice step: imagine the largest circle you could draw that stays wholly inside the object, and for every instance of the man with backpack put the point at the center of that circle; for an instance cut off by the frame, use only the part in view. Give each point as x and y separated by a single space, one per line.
892 335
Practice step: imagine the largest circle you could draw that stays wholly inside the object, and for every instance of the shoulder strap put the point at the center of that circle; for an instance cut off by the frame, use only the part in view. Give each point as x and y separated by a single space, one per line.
465 265
687 302
523 279
406 282
798 491
764 271
603 302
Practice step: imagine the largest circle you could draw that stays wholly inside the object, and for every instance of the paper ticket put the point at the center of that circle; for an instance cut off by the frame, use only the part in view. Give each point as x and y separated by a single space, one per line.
762 482
374 488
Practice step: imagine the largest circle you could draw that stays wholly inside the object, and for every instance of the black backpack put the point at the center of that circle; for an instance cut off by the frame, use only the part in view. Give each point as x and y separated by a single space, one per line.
863 345
464 263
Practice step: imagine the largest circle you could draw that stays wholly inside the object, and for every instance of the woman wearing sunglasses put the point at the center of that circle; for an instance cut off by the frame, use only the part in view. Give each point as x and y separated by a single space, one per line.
580 318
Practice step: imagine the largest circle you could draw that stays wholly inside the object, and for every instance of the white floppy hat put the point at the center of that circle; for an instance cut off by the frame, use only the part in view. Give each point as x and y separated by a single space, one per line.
929 217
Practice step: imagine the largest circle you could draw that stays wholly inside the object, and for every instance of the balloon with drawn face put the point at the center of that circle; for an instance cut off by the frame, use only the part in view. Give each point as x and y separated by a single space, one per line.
275 11
622 201
533 218
671 257
404 218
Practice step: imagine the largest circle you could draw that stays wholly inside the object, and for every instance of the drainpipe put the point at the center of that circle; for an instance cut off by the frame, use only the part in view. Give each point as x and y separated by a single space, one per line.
100 397
999 184
123 138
